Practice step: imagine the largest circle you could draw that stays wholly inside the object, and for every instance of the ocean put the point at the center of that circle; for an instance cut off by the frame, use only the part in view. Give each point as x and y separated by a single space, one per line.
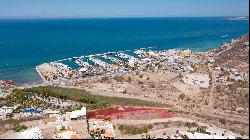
25 43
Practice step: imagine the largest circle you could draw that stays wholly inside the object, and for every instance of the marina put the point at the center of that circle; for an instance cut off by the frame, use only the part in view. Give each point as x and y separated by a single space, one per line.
116 63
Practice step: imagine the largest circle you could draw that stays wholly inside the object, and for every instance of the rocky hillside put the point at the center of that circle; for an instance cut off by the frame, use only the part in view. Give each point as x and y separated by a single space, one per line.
232 94
234 54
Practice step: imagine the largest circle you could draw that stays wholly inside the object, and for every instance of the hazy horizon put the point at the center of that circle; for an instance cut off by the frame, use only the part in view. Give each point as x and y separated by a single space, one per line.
122 9
88 17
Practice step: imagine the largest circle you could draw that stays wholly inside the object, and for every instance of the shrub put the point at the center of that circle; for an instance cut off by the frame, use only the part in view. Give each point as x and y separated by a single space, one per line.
166 125
63 128
201 129
121 127
9 115
20 96
182 96
104 79
184 137
119 78
190 125
152 86
150 126
140 82
124 91
129 79
223 121
20 128
72 108
242 133
127 129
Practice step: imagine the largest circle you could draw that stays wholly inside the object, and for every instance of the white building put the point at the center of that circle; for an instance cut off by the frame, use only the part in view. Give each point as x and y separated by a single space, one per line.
188 68
7 109
51 111
210 59
77 113
131 62
2 112
152 54
222 79
62 121
238 78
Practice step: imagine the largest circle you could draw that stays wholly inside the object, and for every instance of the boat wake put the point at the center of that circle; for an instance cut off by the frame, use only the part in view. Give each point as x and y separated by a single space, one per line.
224 36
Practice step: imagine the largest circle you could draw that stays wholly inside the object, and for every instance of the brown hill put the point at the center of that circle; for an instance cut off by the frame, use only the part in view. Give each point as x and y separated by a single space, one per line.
234 54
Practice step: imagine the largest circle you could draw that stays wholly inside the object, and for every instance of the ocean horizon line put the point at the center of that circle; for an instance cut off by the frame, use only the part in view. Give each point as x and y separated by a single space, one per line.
111 17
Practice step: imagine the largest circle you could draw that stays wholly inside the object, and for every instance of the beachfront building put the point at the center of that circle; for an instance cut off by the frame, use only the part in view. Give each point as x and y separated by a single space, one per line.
197 79
152 55
131 62
5 87
185 53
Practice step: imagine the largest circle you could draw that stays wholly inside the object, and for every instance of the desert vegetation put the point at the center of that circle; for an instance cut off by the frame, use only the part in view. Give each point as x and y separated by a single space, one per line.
91 101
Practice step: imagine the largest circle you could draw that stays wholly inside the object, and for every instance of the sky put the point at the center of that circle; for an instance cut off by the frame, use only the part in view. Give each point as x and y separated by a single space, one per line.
123 8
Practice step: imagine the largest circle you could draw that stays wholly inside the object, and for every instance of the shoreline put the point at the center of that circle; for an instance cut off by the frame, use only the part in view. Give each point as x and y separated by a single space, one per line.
43 80
147 50
40 74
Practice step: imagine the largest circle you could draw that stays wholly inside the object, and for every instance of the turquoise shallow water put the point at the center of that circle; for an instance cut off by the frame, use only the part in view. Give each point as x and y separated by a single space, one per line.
25 43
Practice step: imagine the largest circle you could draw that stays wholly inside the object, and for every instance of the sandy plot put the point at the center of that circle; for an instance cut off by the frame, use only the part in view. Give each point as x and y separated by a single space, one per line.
186 89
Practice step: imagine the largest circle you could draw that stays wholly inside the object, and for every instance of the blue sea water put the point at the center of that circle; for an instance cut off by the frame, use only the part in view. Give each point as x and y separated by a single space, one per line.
25 43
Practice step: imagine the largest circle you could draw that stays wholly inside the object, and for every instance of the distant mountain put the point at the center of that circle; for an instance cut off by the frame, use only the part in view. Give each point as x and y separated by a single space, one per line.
238 18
